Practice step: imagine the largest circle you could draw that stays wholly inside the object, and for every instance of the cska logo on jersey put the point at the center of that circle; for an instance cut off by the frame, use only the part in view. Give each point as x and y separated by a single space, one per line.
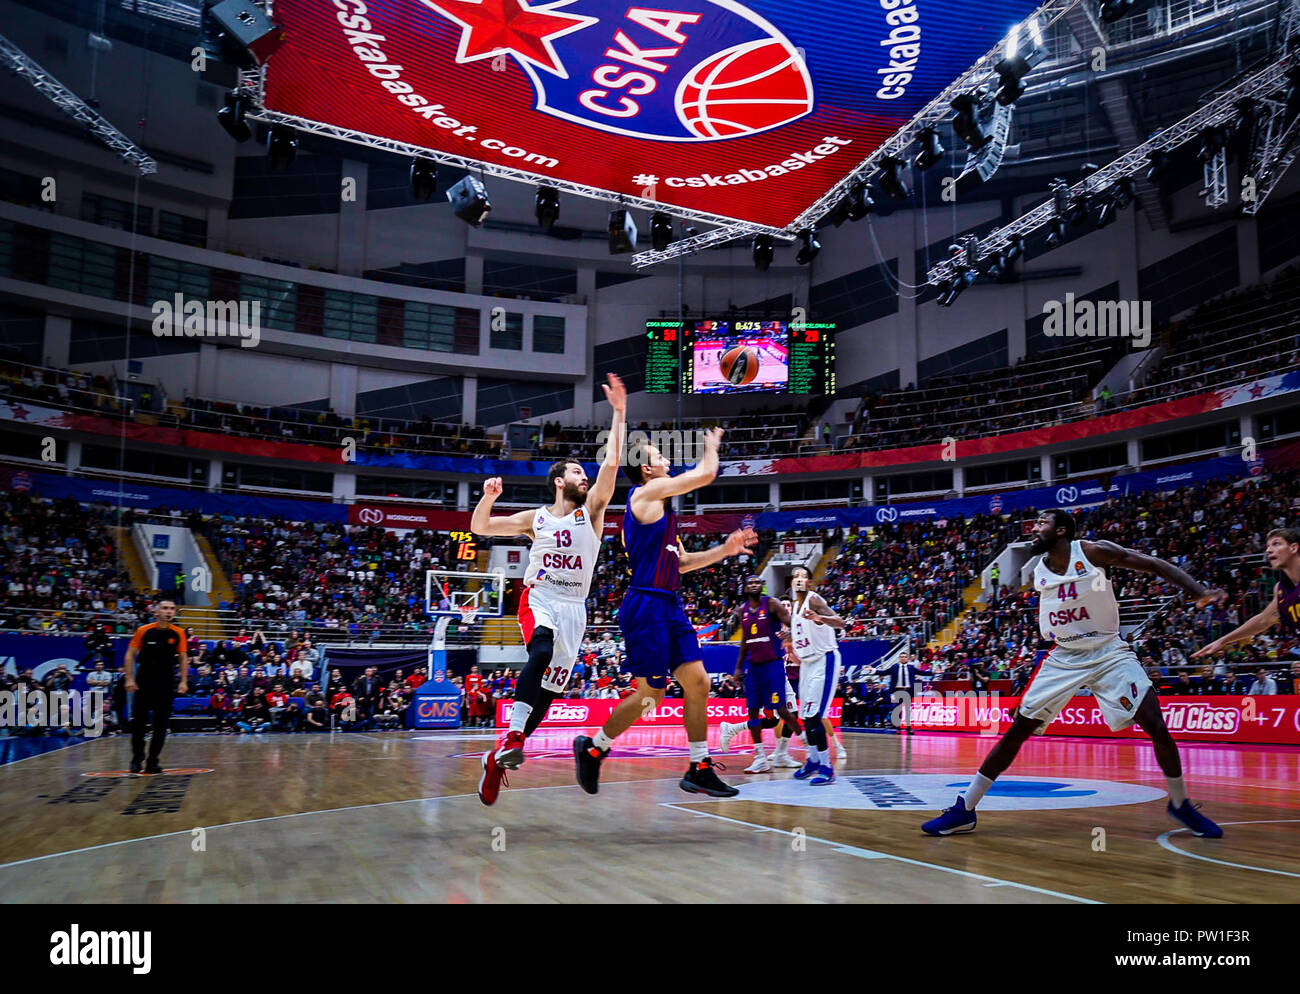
577 516
1078 567
703 70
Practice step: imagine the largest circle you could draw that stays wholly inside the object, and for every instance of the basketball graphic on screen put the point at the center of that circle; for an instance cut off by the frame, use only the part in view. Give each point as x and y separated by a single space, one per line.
744 89
740 365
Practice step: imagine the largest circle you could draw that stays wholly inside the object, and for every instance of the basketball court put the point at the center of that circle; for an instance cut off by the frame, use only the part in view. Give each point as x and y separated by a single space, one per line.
394 818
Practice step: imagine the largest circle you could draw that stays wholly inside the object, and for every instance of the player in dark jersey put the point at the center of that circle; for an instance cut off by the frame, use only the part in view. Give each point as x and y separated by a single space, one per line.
151 660
660 639
1282 553
761 653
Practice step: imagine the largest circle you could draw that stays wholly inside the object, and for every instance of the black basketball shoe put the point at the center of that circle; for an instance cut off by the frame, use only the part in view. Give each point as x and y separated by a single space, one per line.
700 779
588 759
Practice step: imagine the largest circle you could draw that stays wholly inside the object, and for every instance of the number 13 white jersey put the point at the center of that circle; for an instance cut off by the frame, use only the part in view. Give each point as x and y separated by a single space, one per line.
563 555
1078 609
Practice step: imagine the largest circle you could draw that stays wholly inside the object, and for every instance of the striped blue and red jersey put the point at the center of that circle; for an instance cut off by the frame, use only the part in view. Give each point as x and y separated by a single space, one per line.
1288 605
762 638
653 552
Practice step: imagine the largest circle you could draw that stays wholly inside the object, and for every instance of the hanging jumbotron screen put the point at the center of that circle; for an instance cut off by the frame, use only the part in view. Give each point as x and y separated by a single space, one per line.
748 111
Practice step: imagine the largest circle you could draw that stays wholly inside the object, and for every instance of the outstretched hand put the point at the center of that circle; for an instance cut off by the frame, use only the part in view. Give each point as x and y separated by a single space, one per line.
615 392
741 540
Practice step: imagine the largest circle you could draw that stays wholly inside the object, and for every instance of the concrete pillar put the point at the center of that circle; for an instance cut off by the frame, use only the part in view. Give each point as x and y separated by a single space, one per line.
343 389
462 495
206 379
351 250
958 480
56 344
774 494
473 274
1046 468
72 457
345 488
1133 455
215 468
469 400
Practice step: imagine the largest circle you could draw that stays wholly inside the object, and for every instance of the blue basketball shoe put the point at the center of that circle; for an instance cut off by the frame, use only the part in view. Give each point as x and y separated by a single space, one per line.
954 820
808 769
1188 815
825 775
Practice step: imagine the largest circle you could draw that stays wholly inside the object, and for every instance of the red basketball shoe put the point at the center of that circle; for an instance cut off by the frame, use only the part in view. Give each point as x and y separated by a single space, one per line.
510 750
493 778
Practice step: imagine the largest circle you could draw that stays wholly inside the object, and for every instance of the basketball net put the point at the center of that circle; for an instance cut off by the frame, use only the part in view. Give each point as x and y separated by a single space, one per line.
467 614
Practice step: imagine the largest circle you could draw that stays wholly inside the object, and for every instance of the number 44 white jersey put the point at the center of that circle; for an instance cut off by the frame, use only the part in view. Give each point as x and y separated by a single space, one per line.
563 555
1078 609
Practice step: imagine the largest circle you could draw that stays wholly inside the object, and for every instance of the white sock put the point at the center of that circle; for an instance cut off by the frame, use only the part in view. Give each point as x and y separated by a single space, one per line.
782 748
978 787
700 751
602 741
759 752
519 715
814 755
1177 790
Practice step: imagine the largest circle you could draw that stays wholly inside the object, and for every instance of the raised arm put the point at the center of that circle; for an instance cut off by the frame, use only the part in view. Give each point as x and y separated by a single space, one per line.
603 491
1110 554
482 522
1257 625
741 540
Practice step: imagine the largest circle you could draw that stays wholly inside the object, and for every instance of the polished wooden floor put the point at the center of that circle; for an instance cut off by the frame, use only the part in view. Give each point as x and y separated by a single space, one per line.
393 817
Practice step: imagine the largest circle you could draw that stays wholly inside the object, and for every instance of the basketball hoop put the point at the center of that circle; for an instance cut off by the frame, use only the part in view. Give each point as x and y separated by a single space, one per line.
467 614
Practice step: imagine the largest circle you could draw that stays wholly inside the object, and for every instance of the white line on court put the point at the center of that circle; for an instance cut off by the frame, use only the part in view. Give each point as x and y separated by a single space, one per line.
873 854
52 752
1166 844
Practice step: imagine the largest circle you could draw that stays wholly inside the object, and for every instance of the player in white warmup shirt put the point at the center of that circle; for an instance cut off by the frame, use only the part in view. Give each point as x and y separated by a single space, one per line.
812 634
553 607
1077 608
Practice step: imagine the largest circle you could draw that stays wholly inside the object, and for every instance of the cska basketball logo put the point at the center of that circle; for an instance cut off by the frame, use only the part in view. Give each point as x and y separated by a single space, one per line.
702 70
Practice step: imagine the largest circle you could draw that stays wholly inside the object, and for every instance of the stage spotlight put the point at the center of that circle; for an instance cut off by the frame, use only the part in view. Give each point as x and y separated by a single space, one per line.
424 179
1247 114
547 207
891 178
469 201
1112 10
231 117
1010 73
763 252
1157 164
840 212
281 147
1125 191
661 230
1015 250
931 153
1106 210
1055 233
860 202
949 291
809 246
1213 139
1087 169
622 232
966 124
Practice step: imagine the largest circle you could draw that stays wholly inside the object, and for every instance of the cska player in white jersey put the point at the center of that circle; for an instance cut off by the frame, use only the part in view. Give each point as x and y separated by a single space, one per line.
812 635
1077 608
553 607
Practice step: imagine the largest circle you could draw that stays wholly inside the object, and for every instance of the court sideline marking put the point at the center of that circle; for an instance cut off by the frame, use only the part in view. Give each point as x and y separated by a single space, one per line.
874 854
1166 844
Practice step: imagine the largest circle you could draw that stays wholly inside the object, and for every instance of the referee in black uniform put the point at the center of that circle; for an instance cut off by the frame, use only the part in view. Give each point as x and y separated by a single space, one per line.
158 648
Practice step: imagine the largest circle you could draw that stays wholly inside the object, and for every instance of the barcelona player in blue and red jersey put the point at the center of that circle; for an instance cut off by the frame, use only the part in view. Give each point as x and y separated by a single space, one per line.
660 639
1282 553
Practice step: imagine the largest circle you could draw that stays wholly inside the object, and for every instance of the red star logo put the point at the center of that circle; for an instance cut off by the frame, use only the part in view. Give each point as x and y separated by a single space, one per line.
20 412
1256 390
511 27
742 468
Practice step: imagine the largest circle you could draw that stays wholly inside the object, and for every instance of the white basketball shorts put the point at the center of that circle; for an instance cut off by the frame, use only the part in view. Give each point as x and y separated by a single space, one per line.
1111 671
819 678
567 619
791 701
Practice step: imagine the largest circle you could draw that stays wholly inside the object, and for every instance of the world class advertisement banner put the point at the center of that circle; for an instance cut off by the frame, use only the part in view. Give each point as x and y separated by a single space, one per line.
746 110
1266 719
585 713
